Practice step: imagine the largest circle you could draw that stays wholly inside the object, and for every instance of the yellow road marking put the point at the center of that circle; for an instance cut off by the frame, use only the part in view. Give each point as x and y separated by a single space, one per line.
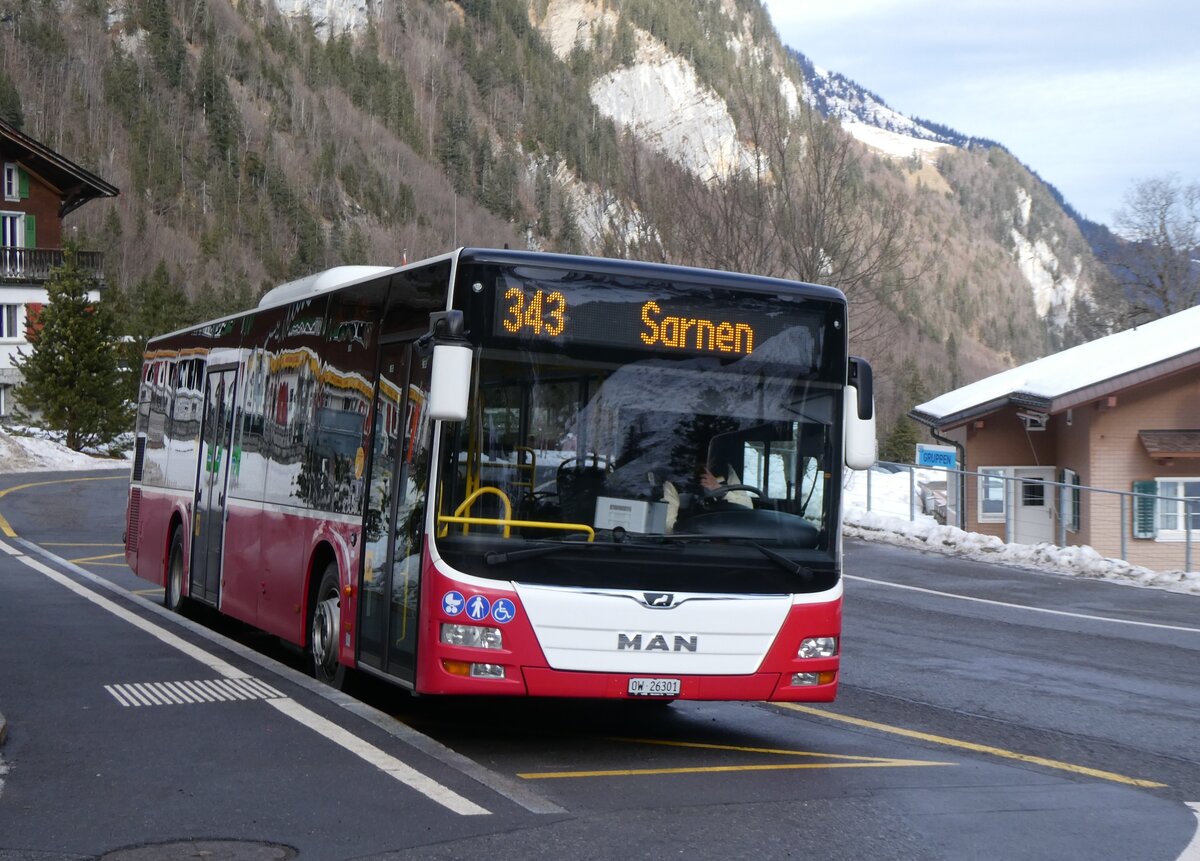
96 559
7 529
76 544
976 748
835 761
740 749
157 591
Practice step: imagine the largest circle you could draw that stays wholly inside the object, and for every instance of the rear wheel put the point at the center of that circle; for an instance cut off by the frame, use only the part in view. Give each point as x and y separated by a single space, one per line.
173 597
325 629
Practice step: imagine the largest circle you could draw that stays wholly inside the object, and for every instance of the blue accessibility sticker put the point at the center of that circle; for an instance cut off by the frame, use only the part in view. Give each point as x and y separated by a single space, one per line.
452 603
503 610
478 608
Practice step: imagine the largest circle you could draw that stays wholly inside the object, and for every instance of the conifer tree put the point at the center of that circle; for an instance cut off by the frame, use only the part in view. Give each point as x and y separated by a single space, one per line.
900 445
72 381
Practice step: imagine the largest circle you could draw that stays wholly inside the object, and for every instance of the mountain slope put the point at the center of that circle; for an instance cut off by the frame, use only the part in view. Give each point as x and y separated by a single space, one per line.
257 141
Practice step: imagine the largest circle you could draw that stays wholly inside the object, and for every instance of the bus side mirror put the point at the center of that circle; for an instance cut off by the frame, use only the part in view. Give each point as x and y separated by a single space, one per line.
860 415
450 376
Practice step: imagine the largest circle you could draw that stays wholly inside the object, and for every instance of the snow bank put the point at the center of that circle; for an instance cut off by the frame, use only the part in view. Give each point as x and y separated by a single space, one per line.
888 521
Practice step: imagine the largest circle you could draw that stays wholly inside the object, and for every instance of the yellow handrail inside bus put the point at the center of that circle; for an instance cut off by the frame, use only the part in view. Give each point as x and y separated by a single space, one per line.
466 504
530 524
507 522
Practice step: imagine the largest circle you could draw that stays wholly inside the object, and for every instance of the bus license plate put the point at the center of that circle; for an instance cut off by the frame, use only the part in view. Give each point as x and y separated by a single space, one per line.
654 687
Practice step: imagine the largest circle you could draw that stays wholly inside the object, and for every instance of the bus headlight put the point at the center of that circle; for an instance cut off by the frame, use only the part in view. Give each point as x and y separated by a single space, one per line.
817 647
474 636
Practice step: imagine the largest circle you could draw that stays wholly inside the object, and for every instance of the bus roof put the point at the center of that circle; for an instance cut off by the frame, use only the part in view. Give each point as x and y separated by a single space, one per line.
648 270
342 276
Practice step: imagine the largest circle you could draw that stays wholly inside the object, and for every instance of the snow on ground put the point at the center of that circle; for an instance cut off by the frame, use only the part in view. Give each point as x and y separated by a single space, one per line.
887 521
31 450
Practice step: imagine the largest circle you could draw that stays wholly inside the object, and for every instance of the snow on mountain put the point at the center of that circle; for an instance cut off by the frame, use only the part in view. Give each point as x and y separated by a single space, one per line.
894 144
836 96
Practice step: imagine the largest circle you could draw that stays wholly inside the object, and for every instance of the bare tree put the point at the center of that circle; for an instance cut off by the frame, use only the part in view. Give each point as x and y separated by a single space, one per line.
835 226
1156 259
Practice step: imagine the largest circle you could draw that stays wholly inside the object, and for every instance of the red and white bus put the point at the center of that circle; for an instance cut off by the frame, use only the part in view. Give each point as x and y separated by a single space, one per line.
514 473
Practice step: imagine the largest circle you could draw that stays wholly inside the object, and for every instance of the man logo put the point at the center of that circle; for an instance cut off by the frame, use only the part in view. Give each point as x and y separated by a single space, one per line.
656 643
658 599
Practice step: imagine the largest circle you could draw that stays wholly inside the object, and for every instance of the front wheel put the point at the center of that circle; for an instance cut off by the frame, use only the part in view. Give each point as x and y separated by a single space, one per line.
173 597
325 629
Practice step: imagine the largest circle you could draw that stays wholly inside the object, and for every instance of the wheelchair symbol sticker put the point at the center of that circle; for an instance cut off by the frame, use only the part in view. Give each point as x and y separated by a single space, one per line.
503 611
452 603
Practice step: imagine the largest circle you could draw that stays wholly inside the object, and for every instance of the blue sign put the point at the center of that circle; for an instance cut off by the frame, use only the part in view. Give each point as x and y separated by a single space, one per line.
937 456
478 608
452 603
504 611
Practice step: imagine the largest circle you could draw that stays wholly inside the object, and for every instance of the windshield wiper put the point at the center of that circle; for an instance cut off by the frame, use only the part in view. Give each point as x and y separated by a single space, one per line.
496 558
791 566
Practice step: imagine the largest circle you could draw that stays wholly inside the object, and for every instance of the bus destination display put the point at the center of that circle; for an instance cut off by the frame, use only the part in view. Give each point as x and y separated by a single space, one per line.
682 324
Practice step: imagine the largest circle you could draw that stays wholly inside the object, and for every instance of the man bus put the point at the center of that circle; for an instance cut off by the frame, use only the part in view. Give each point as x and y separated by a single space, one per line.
478 474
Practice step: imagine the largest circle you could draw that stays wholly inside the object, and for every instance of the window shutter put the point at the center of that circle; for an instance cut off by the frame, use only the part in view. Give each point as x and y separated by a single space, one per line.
23 183
33 323
1145 509
30 231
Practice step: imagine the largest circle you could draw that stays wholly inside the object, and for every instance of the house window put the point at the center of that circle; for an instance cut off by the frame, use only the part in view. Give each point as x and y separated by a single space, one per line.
1179 513
12 182
1070 499
992 495
8 321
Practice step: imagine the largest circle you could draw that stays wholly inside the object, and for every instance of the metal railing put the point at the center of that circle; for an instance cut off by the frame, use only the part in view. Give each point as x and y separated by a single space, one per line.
948 508
35 264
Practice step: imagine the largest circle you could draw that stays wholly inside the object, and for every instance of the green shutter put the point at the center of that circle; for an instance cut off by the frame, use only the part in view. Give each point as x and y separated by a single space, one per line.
23 183
1145 509
30 231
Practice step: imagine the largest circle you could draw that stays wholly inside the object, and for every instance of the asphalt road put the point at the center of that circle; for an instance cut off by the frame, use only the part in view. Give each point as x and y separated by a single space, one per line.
986 712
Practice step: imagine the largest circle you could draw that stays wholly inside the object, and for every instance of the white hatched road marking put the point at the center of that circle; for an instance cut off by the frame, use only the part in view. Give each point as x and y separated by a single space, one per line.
191 692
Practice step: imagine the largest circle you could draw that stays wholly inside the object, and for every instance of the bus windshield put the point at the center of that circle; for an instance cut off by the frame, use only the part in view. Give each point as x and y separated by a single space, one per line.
702 470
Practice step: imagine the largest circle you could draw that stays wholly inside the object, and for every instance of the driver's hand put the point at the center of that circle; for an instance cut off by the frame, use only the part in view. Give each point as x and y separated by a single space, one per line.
709 481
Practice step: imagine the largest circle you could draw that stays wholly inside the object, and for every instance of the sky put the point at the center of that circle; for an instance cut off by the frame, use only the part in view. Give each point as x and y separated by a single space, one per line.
1092 95
882 514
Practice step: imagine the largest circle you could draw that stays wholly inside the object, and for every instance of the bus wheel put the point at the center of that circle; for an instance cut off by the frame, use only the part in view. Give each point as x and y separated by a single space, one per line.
173 597
324 630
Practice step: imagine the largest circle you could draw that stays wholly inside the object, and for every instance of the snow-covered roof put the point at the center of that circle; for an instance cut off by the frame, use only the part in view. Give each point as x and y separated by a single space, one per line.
1041 382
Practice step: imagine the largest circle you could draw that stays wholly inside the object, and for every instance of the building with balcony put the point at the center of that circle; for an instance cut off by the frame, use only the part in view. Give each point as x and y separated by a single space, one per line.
40 188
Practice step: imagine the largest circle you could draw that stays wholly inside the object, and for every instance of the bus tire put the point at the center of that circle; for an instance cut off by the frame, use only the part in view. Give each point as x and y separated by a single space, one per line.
173 594
324 629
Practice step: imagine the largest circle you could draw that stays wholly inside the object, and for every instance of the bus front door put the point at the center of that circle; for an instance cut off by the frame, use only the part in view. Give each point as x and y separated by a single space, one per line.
395 513
208 520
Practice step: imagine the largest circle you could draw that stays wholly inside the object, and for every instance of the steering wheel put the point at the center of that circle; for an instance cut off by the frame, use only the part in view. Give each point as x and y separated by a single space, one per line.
722 489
